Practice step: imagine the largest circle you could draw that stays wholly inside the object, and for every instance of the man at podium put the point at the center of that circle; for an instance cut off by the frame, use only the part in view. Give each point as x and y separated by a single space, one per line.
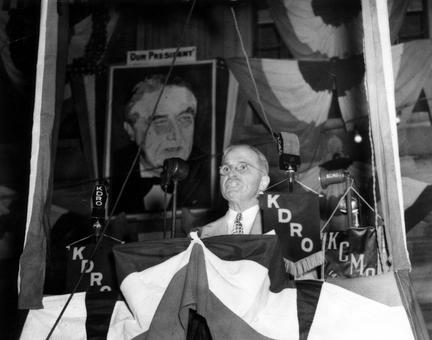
243 176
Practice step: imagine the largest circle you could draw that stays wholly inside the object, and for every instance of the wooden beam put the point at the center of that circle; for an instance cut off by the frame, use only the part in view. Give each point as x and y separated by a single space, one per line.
381 102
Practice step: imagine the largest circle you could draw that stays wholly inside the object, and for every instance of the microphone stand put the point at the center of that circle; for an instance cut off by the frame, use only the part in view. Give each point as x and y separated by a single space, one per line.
97 227
174 207
291 174
174 169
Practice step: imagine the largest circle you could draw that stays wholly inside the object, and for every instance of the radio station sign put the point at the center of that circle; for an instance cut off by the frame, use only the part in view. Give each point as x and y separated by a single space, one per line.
295 219
162 56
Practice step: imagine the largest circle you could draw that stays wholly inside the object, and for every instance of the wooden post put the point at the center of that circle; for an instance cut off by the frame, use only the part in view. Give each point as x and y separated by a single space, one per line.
382 110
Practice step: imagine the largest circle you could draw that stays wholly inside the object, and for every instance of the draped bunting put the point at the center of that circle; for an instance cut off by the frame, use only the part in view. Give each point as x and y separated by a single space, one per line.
327 28
290 103
297 94
412 72
236 288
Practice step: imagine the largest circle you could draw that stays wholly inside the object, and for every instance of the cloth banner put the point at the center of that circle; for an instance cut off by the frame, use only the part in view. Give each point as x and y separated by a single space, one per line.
321 29
99 272
351 253
296 221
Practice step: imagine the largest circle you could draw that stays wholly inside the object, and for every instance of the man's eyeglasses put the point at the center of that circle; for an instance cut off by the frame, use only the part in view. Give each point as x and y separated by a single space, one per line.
240 168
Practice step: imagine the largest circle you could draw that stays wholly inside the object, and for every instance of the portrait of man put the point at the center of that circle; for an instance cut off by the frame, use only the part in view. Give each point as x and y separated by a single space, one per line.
153 121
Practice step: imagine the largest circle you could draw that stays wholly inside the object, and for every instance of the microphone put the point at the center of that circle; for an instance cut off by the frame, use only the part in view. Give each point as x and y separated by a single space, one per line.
289 155
327 177
98 204
173 169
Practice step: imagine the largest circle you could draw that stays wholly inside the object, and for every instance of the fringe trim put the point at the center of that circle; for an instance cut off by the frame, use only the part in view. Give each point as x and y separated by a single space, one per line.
304 265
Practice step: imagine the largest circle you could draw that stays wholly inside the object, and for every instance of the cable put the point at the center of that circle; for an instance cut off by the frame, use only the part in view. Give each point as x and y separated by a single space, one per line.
99 241
258 97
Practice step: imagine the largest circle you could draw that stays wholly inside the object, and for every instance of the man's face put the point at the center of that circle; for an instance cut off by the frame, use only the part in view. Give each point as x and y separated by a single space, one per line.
171 130
241 189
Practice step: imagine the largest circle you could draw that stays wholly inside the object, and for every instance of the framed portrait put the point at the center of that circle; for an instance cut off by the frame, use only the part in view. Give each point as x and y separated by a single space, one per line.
145 126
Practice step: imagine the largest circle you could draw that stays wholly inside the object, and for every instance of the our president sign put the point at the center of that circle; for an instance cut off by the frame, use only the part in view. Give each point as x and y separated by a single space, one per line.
163 56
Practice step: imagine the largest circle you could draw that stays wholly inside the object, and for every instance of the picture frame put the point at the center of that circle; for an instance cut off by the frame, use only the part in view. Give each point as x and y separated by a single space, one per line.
198 190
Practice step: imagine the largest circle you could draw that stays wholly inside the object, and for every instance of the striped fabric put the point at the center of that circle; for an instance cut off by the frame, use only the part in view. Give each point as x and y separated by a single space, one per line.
88 316
314 29
417 201
236 283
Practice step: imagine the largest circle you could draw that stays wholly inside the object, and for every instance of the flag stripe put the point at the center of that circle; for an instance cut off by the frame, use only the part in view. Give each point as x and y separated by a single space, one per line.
100 308
123 325
419 209
88 316
263 249
342 315
308 292
39 321
239 308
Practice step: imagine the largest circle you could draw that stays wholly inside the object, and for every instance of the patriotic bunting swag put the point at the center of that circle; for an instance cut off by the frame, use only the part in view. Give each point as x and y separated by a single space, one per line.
236 285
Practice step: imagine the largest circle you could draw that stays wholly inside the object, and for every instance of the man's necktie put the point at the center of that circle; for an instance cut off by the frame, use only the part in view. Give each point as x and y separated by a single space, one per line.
238 226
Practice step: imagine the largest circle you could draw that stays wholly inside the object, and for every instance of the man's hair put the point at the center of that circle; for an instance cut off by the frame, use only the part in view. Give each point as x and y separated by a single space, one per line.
262 160
148 85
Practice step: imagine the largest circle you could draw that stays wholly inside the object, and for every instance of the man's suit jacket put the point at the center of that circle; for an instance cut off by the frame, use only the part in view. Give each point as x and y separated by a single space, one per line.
220 227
